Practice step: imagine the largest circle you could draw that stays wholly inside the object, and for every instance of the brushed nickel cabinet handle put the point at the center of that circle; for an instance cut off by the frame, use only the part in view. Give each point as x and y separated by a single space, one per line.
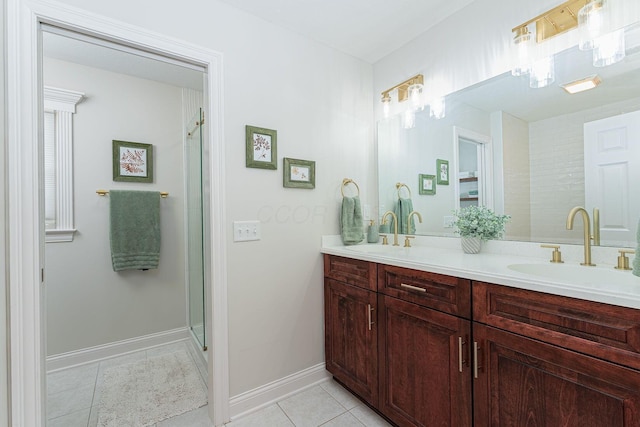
369 310
413 288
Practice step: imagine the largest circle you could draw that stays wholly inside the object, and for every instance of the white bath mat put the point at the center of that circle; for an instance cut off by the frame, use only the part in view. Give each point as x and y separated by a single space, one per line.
149 391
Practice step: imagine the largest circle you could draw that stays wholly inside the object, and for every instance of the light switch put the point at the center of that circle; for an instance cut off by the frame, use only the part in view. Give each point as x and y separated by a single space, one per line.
244 231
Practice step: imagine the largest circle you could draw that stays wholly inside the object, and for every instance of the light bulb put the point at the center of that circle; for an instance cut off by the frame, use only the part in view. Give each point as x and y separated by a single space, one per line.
592 19
415 96
522 42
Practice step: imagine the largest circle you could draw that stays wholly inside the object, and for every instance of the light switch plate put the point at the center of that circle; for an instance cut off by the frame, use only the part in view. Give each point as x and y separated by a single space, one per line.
244 231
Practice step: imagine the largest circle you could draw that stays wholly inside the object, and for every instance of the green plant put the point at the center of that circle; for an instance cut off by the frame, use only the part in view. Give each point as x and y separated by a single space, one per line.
480 221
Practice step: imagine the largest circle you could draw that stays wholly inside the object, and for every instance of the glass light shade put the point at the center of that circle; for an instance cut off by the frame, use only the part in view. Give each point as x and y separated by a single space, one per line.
522 42
409 119
609 49
386 106
437 108
415 96
593 19
542 72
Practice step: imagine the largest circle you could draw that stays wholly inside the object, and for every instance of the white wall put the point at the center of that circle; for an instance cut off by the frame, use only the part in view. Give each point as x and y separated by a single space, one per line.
320 102
89 304
4 413
514 135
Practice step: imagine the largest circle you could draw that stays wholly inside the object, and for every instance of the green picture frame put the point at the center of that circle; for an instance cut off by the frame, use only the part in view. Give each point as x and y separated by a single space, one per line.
299 173
132 161
262 148
426 184
442 172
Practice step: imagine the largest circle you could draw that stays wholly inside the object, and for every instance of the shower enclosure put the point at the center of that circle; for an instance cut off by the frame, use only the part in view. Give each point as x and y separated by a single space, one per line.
194 227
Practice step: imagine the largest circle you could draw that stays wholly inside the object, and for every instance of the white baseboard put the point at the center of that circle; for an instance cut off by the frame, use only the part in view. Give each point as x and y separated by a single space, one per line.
268 394
118 348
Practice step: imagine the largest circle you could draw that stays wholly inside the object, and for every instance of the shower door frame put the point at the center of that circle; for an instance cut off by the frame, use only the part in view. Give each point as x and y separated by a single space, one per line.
25 230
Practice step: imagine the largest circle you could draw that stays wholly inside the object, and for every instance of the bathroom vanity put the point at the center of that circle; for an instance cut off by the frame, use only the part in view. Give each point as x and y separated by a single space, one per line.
476 346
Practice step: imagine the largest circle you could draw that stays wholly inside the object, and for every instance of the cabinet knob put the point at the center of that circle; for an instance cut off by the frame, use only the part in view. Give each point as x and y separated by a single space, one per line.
556 255
623 261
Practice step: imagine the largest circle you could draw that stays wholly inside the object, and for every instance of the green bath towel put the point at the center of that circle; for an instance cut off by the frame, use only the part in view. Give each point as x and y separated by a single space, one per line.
351 225
134 229
403 208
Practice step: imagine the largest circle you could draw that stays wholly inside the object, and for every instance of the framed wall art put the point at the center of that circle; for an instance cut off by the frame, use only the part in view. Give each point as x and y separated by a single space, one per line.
442 169
299 173
132 161
261 148
426 184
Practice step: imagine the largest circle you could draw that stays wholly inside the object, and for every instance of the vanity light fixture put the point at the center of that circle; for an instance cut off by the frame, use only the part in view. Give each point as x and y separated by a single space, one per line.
555 21
582 84
410 89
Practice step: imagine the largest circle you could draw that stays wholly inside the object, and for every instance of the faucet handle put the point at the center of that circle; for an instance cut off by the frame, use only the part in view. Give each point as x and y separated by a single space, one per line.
407 242
623 261
556 255
385 240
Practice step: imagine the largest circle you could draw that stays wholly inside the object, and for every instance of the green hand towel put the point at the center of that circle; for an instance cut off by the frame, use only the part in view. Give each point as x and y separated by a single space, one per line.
134 229
636 258
403 208
351 225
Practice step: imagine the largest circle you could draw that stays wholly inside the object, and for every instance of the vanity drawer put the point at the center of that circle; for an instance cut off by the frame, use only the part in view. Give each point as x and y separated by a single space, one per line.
352 271
444 293
605 331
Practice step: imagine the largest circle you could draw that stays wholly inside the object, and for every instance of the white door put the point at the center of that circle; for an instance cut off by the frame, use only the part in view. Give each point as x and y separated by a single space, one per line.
612 173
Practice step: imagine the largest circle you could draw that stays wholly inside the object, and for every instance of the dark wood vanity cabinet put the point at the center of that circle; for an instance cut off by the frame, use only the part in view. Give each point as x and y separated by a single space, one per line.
351 330
424 372
423 348
554 361
443 351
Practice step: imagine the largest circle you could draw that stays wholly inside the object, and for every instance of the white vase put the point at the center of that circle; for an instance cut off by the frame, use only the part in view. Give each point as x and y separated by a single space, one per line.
470 245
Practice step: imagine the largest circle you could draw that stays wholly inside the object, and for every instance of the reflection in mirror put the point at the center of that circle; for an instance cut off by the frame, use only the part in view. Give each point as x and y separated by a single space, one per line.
549 149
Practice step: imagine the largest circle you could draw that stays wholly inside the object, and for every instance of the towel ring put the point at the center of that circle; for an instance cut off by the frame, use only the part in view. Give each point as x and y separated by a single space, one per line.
399 186
348 181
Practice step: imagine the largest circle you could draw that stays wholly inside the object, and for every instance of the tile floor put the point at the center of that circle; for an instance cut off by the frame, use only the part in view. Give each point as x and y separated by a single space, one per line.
74 395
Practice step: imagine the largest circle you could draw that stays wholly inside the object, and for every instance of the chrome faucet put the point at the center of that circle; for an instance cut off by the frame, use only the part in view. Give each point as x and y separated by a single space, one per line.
395 225
587 231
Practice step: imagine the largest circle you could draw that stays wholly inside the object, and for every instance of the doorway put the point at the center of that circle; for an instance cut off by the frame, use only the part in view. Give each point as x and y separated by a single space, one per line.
472 169
26 230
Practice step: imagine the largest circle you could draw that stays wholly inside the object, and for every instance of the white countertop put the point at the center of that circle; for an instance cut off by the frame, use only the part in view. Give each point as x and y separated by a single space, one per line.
602 283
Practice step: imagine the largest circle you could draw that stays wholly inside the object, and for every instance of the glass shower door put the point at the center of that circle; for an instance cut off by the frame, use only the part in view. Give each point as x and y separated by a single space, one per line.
194 220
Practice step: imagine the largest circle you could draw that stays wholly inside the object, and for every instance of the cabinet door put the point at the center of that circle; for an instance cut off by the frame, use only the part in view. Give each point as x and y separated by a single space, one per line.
524 382
351 342
425 375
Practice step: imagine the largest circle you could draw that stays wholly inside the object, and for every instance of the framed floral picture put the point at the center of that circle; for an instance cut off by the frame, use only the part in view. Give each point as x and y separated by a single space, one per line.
261 148
299 173
132 161
427 184
442 169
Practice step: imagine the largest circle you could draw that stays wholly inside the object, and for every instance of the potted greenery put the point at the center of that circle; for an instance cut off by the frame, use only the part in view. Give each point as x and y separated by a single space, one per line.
477 223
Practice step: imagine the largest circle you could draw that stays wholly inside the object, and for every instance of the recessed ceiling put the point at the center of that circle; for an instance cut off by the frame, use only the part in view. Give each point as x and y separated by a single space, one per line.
366 29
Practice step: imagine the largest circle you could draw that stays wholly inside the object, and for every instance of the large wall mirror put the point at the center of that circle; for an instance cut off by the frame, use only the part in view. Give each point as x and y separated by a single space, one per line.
538 152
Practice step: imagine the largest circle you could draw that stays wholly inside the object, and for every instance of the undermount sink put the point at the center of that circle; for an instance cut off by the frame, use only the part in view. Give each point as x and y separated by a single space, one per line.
579 274
375 249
